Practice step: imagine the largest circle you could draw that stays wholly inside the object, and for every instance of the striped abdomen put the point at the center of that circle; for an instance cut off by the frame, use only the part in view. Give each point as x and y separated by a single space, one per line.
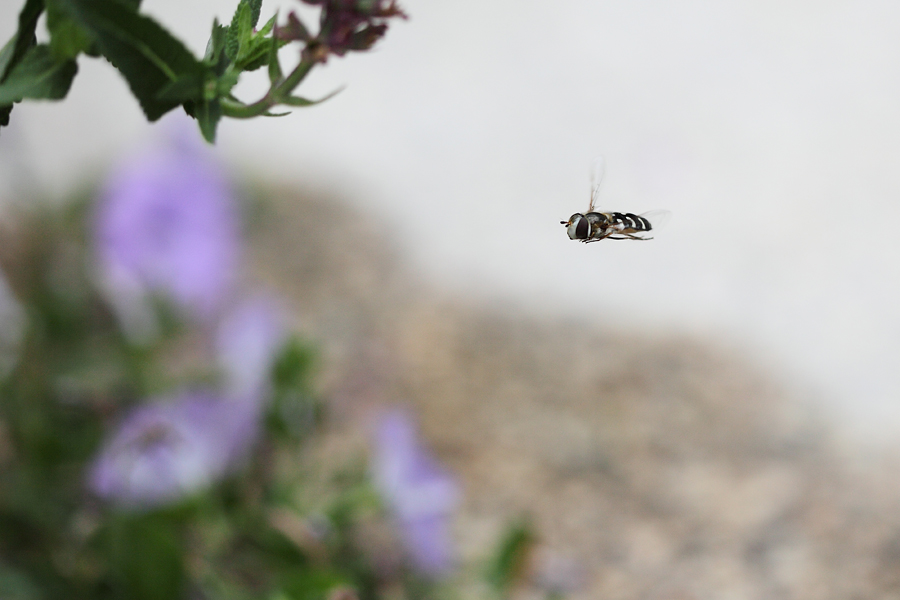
627 222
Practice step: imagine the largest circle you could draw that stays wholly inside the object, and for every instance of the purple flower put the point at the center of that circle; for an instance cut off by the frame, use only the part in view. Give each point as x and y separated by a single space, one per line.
421 494
172 448
344 26
247 344
167 226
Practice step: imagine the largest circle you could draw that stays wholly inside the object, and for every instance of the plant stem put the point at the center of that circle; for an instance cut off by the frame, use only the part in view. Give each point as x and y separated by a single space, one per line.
272 98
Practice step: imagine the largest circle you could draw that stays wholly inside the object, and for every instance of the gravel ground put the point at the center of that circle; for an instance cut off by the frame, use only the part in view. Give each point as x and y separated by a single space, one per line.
652 467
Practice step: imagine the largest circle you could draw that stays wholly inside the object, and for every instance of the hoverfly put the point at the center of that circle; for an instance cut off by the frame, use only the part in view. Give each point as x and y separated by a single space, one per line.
593 226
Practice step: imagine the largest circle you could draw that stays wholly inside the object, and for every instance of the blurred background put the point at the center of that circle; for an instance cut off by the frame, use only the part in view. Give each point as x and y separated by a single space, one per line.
769 129
665 411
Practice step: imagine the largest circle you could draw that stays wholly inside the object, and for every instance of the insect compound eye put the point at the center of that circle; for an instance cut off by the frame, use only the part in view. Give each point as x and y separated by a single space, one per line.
578 227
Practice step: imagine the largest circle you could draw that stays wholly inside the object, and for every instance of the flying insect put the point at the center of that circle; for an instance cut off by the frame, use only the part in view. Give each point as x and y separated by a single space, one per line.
593 226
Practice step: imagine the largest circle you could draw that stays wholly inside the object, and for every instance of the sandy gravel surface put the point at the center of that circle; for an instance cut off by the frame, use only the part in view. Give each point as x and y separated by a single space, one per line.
652 467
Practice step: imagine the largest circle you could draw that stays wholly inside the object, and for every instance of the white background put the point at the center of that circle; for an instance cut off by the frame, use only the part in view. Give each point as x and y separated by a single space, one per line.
770 129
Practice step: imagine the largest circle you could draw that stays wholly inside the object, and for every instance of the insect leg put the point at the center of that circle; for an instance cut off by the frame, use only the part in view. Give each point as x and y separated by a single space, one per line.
629 236
597 239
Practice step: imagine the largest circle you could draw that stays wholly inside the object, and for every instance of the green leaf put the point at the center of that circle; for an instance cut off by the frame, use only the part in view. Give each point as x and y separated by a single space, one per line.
509 563
208 115
216 43
67 38
270 24
144 556
39 76
255 6
239 31
257 54
148 56
189 87
24 37
257 50
14 50
298 101
6 54
275 72
293 364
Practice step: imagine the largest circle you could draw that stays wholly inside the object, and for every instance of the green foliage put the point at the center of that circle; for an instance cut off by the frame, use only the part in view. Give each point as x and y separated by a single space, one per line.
276 527
160 71
143 556
281 527
239 31
16 586
15 48
208 113
294 411
24 37
39 76
510 561
67 38
146 54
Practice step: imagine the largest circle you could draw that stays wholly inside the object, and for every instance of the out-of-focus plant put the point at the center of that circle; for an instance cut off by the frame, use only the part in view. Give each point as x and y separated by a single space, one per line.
154 413
162 73
422 496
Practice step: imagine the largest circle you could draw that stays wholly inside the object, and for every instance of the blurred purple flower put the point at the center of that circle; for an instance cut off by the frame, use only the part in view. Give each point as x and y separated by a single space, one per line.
421 494
172 448
247 344
167 225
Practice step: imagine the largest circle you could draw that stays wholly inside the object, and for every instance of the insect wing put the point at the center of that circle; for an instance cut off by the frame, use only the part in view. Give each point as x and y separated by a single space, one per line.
598 170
